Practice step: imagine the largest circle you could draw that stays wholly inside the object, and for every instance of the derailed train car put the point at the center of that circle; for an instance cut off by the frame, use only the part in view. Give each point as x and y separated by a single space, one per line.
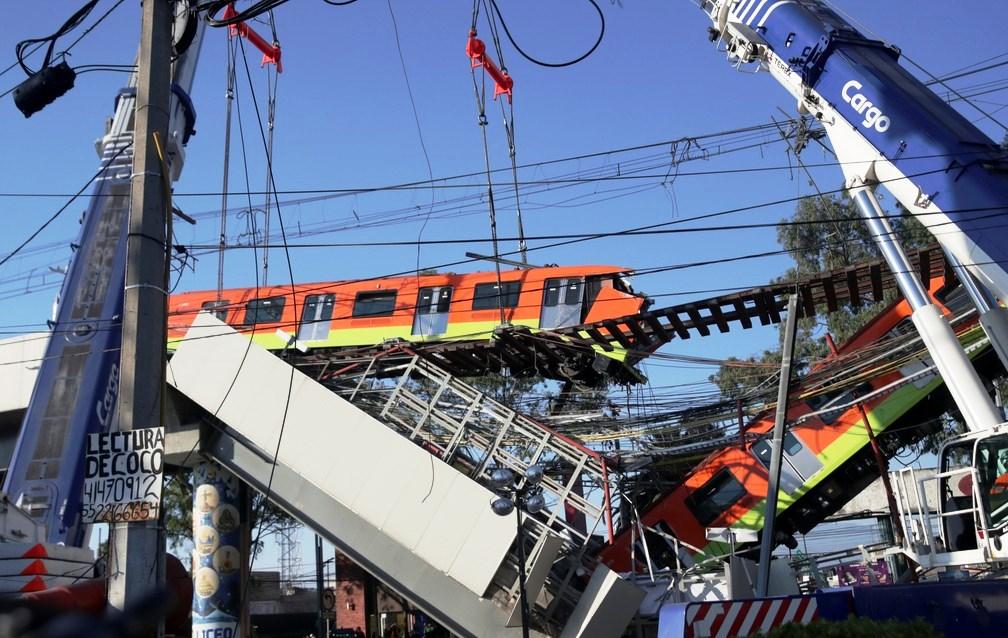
827 458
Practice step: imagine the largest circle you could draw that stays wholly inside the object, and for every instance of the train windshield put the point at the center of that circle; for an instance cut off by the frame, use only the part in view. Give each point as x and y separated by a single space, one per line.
718 494
622 283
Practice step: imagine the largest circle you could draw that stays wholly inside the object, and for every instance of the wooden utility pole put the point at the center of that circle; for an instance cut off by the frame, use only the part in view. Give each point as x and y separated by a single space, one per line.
776 449
137 549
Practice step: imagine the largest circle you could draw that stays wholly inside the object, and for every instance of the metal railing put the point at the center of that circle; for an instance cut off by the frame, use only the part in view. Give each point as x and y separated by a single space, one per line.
919 523
476 434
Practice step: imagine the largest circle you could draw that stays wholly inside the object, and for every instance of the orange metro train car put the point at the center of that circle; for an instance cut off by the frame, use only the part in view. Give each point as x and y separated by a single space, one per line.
415 308
827 458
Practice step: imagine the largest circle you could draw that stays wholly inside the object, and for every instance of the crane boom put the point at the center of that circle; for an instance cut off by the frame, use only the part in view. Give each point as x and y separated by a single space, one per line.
76 390
887 128
884 123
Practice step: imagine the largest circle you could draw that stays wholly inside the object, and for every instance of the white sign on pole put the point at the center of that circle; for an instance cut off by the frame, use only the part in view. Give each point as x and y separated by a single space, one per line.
122 478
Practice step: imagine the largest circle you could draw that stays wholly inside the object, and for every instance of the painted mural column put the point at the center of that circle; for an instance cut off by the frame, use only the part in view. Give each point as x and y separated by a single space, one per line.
218 559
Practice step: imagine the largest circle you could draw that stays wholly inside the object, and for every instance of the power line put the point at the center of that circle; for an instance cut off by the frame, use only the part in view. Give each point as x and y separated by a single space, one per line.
53 217
21 54
429 184
956 76
603 235
598 40
425 184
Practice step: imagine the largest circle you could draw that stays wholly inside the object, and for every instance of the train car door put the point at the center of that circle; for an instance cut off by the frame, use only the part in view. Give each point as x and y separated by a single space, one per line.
802 459
790 480
316 318
431 317
799 465
563 300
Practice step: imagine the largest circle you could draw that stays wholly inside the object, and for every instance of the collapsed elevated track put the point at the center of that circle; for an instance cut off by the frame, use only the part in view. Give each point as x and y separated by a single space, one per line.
578 353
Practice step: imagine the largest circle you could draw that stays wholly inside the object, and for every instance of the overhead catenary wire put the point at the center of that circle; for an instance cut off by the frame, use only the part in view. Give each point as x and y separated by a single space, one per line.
63 208
586 177
990 212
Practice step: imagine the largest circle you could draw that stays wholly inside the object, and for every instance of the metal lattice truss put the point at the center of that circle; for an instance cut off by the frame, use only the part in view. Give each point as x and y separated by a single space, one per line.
467 429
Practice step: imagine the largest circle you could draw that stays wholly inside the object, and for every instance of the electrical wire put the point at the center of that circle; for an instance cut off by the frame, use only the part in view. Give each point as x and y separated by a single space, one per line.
993 212
59 212
290 271
555 65
955 76
70 24
426 184
256 9
920 68
419 130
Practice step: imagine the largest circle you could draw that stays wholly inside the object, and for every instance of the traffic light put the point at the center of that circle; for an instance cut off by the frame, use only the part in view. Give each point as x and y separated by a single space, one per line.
32 95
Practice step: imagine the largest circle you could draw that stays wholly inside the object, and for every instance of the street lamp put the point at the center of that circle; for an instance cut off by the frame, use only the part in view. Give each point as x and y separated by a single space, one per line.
510 498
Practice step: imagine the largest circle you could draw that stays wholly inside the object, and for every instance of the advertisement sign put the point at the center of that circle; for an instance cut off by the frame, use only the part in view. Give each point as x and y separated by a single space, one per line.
122 476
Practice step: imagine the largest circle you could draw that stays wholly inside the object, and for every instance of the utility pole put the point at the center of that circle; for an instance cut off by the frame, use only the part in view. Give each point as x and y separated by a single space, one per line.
137 552
776 449
320 625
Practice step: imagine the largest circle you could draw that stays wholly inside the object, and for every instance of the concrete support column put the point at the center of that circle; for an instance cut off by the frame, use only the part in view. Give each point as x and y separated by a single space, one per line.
218 561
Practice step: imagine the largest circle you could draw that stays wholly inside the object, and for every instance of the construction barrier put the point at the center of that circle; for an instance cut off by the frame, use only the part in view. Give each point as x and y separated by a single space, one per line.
735 618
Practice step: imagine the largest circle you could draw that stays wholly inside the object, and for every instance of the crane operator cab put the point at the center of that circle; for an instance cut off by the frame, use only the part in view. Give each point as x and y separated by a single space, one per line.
970 524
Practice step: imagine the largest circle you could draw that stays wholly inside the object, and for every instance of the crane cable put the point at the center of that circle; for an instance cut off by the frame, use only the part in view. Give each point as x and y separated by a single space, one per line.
507 115
272 78
481 120
222 240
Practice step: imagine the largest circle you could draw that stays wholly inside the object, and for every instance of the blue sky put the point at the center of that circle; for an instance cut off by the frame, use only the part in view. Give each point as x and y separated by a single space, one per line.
344 120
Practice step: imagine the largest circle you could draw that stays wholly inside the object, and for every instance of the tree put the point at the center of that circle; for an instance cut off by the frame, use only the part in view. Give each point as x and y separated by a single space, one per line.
176 500
825 233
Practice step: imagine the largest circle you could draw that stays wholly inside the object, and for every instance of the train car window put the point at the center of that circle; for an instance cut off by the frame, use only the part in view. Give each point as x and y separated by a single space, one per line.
266 310
444 303
434 300
761 450
218 309
486 295
374 304
824 401
565 291
316 317
715 497
552 295
956 300
573 294
594 287
792 445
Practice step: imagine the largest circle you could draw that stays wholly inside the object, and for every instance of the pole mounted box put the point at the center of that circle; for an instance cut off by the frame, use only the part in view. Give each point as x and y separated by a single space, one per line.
42 88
